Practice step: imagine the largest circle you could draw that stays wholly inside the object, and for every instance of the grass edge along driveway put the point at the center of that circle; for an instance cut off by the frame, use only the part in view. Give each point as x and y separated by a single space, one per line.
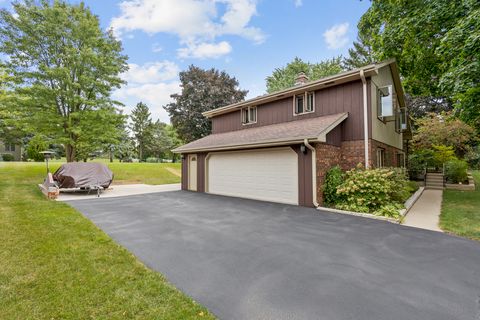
56 264
461 211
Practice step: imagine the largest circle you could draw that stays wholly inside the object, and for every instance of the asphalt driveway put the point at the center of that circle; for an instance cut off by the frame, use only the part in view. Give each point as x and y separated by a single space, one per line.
246 259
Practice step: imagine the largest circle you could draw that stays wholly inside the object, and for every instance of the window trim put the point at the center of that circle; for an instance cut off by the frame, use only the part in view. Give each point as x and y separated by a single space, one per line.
10 147
403 158
249 111
380 115
305 103
380 160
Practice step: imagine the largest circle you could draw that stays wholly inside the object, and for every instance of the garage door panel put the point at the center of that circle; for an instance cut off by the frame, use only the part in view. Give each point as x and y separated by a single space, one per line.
270 175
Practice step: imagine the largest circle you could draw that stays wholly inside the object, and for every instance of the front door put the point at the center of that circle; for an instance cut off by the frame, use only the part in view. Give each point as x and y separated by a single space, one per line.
192 172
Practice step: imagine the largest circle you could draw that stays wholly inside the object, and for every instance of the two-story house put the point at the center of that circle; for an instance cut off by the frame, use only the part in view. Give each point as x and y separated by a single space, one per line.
278 147
12 149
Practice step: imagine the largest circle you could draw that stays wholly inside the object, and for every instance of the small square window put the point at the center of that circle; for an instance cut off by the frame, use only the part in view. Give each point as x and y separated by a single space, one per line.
10 147
249 115
304 103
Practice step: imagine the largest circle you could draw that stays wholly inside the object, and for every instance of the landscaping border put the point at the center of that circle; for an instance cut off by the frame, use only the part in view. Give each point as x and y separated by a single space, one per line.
403 212
462 187
360 214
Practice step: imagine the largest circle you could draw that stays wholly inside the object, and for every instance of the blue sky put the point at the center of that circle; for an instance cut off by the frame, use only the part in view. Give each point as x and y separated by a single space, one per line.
246 38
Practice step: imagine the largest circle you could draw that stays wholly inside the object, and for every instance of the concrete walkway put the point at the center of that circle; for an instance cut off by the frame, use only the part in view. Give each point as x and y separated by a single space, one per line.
425 213
119 191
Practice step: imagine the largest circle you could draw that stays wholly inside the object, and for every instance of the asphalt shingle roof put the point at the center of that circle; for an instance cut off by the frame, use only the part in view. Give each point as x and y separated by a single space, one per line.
311 128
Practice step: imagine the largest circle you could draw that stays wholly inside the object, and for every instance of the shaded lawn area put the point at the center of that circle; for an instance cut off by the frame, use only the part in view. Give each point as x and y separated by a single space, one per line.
461 211
56 264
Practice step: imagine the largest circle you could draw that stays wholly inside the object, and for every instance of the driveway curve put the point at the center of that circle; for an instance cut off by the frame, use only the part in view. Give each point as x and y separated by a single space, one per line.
246 259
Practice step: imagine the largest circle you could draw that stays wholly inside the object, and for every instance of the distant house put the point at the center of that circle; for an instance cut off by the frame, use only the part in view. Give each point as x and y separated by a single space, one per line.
278 147
10 148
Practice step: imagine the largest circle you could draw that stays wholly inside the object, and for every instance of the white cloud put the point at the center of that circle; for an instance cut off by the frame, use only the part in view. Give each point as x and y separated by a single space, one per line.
151 83
151 72
193 21
205 50
298 3
336 37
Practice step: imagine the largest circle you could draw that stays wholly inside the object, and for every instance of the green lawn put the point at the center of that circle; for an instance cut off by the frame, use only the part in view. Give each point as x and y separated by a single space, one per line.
55 264
149 173
461 211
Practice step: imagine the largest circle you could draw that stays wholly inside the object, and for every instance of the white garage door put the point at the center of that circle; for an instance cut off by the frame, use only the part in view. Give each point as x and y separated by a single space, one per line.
270 174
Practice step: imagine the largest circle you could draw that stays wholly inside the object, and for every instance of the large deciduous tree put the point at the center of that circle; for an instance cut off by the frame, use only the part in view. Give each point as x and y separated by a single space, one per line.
437 46
202 90
65 68
283 78
141 127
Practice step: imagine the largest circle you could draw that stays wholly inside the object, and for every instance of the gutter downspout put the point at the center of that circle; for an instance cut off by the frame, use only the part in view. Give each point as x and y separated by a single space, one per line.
314 172
365 118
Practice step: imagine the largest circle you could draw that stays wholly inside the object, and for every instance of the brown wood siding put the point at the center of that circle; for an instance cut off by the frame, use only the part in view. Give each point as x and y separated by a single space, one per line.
184 172
201 172
334 137
305 191
342 98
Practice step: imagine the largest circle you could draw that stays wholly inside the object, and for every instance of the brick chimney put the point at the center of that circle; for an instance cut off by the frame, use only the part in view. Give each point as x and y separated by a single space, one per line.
301 79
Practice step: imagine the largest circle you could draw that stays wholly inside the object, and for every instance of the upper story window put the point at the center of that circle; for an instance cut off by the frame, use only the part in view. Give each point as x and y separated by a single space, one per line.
304 103
9 147
401 120
385 105
249 115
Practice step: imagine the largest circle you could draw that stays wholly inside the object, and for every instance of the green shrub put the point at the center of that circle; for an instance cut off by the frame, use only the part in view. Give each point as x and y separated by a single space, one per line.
375 191
7 157
443 154
389 210
410 188
333 179
35 146
456 171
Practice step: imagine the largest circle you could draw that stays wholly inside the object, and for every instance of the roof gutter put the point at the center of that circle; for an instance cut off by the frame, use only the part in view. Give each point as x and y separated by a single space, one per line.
365 118
242 146
314 172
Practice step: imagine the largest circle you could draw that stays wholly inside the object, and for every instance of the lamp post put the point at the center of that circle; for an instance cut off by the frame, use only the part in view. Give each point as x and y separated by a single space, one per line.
47 155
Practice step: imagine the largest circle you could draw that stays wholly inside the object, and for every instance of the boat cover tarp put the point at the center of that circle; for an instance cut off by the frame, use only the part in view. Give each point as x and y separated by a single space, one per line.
83 175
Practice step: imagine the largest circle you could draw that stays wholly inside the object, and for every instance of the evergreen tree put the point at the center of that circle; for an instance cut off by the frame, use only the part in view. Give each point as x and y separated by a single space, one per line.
141 126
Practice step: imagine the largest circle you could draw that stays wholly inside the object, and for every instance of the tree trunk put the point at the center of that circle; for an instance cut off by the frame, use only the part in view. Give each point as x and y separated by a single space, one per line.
140 152
70 153
111 156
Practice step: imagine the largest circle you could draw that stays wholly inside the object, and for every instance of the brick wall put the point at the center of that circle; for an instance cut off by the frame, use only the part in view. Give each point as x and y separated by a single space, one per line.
352 154
327 157
348 156
391 153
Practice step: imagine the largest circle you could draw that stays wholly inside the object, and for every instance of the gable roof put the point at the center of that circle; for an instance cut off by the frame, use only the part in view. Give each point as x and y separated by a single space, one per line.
347 76
314 129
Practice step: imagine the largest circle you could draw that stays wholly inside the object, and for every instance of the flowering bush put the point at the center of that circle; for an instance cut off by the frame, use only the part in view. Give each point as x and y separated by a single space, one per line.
378 191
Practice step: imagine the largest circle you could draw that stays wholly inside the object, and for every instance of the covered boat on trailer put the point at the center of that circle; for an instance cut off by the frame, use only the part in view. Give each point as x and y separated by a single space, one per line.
83 176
